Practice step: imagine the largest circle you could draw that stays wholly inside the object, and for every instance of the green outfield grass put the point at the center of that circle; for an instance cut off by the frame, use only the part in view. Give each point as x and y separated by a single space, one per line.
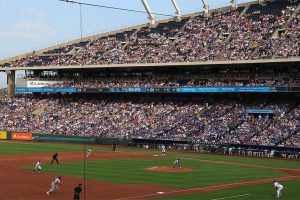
293 164
258 192
133 171
31 147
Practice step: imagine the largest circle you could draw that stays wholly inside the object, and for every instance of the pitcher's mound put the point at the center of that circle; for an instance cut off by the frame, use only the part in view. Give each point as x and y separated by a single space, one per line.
169 169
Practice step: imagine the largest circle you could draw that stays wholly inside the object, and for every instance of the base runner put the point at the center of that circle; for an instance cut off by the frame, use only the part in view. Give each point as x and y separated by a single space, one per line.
54 185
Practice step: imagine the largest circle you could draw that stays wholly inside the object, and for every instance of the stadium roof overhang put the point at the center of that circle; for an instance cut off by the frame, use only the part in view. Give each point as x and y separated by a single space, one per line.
267 62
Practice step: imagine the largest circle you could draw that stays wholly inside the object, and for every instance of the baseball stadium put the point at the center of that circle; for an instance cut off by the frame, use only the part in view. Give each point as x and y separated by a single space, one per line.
204 105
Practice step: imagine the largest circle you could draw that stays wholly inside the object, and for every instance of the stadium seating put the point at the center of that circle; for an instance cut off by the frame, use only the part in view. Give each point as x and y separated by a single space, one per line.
166 83
261 32
224 121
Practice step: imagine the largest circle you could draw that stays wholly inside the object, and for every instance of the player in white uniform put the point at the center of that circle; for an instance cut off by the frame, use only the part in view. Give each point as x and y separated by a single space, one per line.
278 188
163 150
176 163
89 152
38 167
54 185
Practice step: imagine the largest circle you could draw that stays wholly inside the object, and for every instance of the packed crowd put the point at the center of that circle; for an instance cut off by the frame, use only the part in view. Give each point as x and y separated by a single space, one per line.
202 38
224 122
270 45
262 32
291 45
266 130
168 83
254 30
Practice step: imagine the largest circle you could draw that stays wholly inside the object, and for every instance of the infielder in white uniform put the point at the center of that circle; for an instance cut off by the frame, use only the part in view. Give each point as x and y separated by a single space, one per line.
163 150
176 163
278 188
89 152
38 167
54 185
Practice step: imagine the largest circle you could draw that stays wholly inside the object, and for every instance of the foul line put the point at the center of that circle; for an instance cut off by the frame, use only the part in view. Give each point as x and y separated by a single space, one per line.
231 197
149 195
212 188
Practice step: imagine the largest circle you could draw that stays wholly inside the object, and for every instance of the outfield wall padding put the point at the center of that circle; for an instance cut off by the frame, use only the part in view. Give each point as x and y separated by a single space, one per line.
58 138
80 139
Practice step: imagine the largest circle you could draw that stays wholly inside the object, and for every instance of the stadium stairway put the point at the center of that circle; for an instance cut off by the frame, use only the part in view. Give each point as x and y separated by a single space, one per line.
40 110
292 133
286 26
282 141
78 50
227 40
175 38
292 16
134 33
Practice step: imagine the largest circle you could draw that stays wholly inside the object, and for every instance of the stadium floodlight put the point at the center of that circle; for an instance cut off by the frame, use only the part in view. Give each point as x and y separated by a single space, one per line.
150 14
205 6
178 12
233 3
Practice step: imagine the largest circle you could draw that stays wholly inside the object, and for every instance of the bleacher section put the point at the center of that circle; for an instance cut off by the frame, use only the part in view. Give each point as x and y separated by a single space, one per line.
222 121
225 35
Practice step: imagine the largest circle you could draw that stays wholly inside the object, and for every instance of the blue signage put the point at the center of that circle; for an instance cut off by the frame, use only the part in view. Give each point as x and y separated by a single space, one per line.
51 90
157 89
259 111
225 89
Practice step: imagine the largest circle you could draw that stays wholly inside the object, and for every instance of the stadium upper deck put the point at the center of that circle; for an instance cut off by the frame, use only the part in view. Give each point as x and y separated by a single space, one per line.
251 32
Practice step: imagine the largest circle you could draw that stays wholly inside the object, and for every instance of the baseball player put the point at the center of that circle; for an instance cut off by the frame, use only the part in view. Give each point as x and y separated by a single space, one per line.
54 185
38 167
176 163
114 146
163 150
278 188
89 152
54 157
77 192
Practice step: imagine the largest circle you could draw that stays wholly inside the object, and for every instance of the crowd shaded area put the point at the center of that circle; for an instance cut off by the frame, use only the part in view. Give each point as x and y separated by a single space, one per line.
206 120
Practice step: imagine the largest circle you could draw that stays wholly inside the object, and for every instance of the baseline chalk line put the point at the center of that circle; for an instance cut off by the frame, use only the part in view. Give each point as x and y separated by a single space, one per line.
231 197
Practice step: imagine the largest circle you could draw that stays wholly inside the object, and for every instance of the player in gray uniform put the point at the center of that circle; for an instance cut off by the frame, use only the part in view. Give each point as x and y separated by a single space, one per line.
176 163
89 152
54 185
163 150
278 188
38 167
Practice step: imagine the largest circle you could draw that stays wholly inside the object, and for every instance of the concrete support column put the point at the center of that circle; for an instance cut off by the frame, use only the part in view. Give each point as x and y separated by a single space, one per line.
178 12
150 14
262 2
233 4
11 82
206 8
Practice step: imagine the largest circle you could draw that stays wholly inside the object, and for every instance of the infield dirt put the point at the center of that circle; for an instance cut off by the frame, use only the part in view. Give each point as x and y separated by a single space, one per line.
17 183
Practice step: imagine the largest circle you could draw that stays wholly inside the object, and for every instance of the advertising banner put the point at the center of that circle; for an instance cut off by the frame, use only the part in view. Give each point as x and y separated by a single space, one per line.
50 90
40 84
21 136
3 135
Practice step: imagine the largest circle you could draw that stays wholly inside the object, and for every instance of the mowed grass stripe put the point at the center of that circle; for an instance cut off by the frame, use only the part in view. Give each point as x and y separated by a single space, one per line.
293 164
258 192
133 171
12 147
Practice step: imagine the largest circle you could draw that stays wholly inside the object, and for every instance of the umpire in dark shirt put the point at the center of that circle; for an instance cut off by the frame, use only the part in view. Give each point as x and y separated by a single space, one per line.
54 157
77 191
114 146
